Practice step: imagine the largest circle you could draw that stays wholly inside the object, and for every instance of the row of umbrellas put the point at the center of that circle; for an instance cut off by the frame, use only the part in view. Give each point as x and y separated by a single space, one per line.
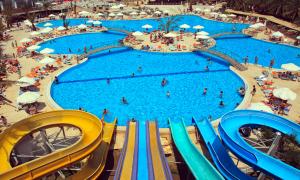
200 35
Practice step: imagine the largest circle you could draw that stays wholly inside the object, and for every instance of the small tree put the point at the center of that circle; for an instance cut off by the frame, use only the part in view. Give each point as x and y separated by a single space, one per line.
168 24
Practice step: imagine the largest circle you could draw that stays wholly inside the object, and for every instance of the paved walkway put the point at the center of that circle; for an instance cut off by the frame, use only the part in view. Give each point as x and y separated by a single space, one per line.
269 18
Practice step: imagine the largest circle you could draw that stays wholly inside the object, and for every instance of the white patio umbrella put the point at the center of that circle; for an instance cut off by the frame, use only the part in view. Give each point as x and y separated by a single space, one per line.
100 14
143 13
51 15
28 97
198 27
232 15
120 14
166 12
203 33
257 25
25 40
47 51
198 9
122 5
214 14
206 10
90 21
47 60
147 26
112 15
61 14
157 12
26 81
223 15
35 33
202 37
61 28
33 48
82 26
133 13
285 94
184 26
137 33
115 7
27 22
260 107
46 30
277 34
171 35
97 22
298 37
290 67
48 24
83 13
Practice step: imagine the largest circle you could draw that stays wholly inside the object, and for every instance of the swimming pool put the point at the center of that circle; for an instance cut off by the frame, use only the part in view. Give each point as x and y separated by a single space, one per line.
213 27
76 43
243 46
85 86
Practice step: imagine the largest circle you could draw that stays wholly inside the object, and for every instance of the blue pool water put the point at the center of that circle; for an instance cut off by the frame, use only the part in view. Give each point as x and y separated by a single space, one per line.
142 152
212 27
85 86
243 46
61 45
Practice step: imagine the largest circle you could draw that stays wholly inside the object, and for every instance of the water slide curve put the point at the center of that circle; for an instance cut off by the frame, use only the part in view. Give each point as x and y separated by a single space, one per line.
229 132
93 135
220 156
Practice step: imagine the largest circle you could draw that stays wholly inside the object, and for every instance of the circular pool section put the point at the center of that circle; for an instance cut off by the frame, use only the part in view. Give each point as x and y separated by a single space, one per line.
86 86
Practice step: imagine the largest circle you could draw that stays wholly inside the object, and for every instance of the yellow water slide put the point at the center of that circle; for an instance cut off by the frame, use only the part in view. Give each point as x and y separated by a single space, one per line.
127 165
159 163
97 159
91 140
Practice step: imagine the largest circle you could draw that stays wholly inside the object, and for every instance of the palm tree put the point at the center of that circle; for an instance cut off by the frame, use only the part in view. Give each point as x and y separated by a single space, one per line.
65 21
46 7
2 28
30 16
168 24
8 12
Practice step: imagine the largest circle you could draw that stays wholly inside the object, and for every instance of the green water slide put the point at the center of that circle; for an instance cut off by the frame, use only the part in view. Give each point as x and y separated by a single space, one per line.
198 164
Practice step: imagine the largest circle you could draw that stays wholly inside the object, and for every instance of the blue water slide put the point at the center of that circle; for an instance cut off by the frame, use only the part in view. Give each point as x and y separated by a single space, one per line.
229 132
218 153
198 164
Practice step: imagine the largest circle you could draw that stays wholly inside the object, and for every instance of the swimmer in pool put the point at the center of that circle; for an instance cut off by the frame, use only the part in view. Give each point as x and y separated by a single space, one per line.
124 101
164 82
221 94
168 94
205 91
105 111
221 104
